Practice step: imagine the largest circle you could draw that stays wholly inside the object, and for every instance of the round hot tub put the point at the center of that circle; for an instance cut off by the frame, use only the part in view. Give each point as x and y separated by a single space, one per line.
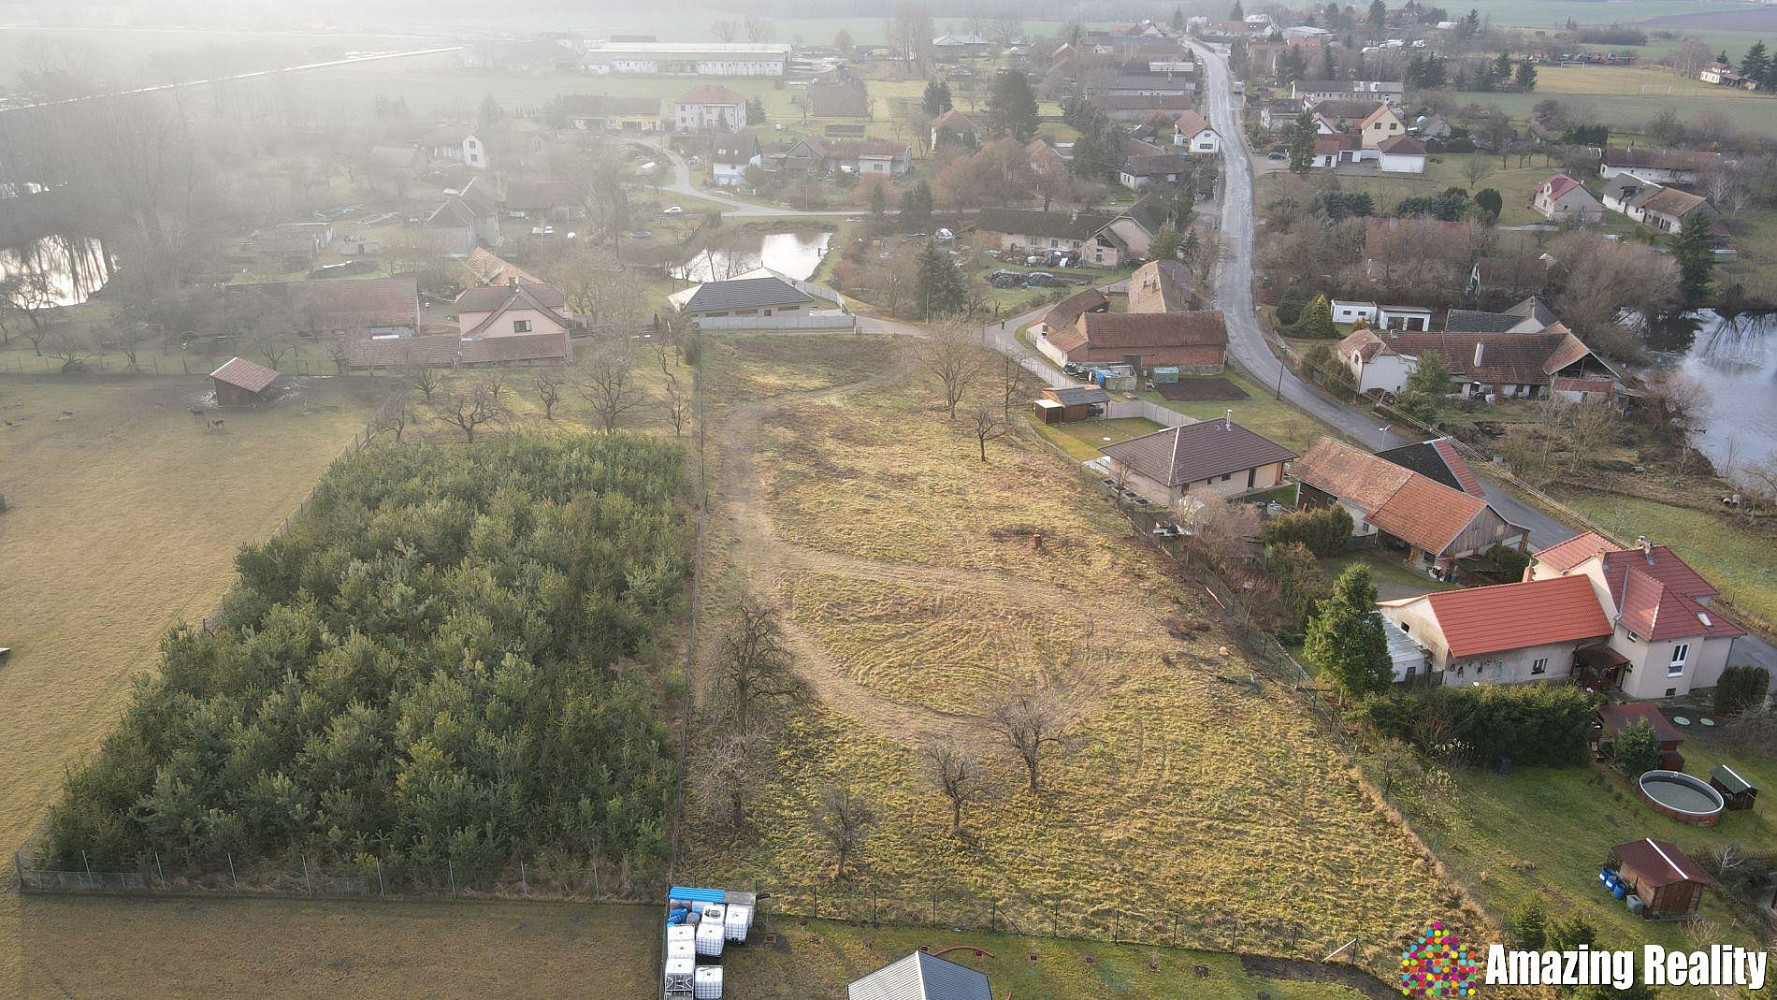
1682 797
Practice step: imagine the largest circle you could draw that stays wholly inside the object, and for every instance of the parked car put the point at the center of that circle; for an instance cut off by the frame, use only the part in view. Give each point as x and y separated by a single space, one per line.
1275 155
1074 369
641 234
674 210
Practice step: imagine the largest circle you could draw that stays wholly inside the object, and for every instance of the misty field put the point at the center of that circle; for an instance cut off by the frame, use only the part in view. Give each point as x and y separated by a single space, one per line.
1200 802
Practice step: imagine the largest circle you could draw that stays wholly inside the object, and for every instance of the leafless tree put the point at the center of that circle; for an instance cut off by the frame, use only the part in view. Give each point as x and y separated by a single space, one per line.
1033 723
753 671
758 29
68 346
952 356
1680 400
1012 379
678 404
728 769
468 403
1476 168
425 378
725 30
495 381
959 778
846 819
394 413
608 383
549 383
987 424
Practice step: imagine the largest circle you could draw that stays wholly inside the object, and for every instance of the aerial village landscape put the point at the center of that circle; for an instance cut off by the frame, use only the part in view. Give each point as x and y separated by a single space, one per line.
885 500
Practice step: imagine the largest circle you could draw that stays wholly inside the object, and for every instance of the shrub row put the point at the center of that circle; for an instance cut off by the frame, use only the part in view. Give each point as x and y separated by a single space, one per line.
1533 724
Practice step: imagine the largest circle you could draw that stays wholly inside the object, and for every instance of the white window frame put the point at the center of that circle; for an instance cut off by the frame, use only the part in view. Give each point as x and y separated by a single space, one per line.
1680 654
521 326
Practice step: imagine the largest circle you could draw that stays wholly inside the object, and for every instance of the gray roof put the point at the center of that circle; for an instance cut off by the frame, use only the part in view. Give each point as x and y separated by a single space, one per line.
920 976
1080 395
1477 321
1180 455
744 293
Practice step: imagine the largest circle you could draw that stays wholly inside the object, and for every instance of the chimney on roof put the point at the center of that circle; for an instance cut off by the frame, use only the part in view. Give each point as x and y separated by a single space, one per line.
1646 547
1228 420
1480 351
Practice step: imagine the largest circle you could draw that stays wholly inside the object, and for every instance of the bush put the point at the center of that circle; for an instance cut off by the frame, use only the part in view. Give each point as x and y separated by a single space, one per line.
428 665
1533 724
1299 580
1316 320
1289 307
1637 749
1511 563
1740 688
1325 531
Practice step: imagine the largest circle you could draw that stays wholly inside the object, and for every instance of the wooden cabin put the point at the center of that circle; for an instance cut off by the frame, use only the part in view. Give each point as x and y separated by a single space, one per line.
1613 719
1669 883
242 383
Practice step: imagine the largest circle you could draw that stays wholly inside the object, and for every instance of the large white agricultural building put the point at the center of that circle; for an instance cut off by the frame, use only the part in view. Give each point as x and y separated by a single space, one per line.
689 58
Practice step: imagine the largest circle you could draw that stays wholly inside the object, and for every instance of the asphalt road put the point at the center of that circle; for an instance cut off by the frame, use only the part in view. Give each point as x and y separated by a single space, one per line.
1246 340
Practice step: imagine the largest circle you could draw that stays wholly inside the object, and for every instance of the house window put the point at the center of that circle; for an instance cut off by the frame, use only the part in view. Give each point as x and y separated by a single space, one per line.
1671 692
1540 665
1227 476
1680 653
521 326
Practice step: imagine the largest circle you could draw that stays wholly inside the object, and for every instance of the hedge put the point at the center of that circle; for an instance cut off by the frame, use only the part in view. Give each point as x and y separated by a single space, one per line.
1533 724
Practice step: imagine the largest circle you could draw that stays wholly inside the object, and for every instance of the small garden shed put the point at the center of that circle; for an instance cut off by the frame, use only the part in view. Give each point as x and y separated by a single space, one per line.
1669 883
242 383
1733 786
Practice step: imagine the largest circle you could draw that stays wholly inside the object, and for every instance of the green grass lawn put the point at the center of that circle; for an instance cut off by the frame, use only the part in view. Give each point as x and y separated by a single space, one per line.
1393 579
819 958
1735 560
1543 834
1273 418
1083 438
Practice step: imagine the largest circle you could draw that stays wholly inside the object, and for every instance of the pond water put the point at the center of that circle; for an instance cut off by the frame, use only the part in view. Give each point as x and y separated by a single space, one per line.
76 266
794 254
1736 358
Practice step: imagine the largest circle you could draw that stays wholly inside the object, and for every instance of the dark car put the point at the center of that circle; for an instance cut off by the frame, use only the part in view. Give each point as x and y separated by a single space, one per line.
1275 155
1042 279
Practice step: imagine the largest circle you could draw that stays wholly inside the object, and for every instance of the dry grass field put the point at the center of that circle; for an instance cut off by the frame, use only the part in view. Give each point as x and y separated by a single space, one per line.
126 514
1197 788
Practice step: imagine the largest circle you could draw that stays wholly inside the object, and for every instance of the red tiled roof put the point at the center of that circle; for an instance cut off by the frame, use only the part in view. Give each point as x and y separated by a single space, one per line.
244 374
1190 123
1564 556
1068 310
1659 597
1458 468
1327 145
1559 185
1516 615
488 298
1414 508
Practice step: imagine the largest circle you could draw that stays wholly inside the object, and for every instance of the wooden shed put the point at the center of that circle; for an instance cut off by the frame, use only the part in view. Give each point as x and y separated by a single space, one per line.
1613 719
242 383
1738 792
1669 883
1072 403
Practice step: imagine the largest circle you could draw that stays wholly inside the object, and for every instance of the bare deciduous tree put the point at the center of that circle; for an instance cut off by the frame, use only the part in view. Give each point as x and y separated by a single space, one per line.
394 413
952 356
549 383
725 30
845 819
1032 723
426 379
987 424
468 404
678 404
754 669
959 778
608 384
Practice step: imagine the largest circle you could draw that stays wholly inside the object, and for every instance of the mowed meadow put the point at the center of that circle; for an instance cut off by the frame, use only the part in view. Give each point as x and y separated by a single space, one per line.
125 515
1199 799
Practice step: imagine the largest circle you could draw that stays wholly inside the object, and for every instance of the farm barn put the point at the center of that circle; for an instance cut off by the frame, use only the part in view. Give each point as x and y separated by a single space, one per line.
240 382
1669 884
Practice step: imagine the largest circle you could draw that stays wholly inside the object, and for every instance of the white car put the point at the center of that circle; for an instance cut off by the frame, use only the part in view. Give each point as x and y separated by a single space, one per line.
674 210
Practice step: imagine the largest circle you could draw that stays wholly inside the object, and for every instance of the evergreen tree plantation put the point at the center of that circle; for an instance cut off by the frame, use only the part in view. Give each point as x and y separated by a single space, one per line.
444 658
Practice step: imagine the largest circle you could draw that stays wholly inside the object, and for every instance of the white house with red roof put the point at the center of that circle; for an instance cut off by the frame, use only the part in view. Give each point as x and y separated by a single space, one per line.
1665 641
1512 633
1563 199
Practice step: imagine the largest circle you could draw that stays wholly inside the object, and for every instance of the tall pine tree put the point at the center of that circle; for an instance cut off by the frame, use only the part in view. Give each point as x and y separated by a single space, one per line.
939 285
1345 638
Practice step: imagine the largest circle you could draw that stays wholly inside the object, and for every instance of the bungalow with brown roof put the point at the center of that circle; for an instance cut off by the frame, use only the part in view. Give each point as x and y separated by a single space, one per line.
1193 132
1512 633
954 128
1138 173
1436 524
343 307
1657 166
872 157
1210 458
1667 639
1197 342
1563 199
517 309
1666 209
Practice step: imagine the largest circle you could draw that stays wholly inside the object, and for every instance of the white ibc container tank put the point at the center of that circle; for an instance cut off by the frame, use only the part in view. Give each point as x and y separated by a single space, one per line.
712 912
681 932
684 948
709 938
737 921
679 975
709 982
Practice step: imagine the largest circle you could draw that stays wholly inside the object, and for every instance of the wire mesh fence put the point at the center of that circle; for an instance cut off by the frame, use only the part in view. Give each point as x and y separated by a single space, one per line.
20 363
